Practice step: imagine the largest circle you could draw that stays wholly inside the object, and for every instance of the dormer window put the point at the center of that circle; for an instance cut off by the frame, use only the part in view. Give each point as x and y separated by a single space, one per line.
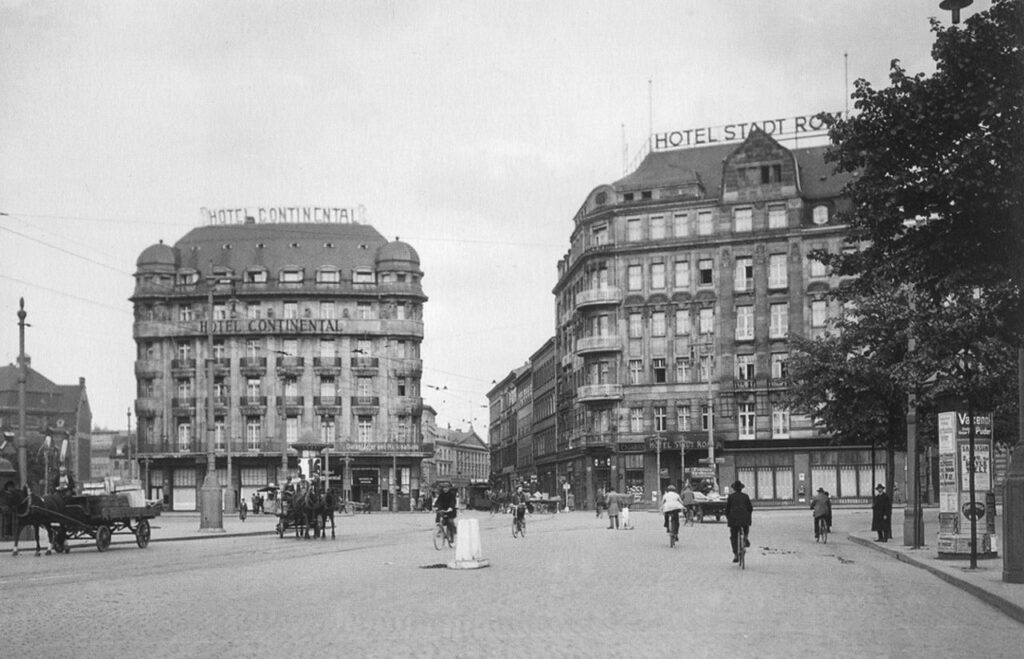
187 278
291 276
256 276
820 214
362 277
328 276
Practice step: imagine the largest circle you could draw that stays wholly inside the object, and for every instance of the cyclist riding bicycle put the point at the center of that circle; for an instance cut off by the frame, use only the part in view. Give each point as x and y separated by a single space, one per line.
738 510
822 507
521 502
671 504
445 506
689 503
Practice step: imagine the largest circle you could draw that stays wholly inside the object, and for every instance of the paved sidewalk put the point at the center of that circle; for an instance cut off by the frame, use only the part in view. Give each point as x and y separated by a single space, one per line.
985 582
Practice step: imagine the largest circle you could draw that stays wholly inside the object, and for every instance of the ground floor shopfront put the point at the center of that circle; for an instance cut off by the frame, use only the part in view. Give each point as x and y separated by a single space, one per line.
380 482
777 476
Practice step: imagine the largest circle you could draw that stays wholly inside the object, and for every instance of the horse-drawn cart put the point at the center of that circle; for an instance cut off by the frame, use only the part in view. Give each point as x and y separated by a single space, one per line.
99 516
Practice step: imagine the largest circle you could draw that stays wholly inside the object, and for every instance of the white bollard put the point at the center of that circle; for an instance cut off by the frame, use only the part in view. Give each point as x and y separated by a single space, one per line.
468 553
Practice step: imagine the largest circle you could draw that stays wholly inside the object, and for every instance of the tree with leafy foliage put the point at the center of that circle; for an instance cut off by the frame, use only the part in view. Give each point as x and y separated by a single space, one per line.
936 286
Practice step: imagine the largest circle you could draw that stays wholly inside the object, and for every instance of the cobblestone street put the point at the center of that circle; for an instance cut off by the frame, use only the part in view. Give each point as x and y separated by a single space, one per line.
571 588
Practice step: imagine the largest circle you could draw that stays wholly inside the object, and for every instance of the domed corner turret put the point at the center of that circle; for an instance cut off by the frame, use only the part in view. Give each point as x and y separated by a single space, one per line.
397 256
158 258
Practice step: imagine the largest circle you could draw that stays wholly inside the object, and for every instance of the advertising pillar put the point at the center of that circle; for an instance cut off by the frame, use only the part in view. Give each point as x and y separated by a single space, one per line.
955 509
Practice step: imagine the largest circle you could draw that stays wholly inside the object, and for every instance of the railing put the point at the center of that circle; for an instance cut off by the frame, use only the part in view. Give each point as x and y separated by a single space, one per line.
599 392
327 362
252 363
290 401
365 401
290 362
599 344
365 362
183 401
606 295
222 364
327 401
183 364
145 367
252 401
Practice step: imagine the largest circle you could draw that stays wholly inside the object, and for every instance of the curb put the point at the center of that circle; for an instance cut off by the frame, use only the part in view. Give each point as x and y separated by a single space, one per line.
1009 608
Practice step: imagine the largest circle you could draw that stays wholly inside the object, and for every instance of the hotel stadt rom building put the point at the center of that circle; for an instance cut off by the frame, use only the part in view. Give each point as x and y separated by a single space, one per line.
675 304
313 326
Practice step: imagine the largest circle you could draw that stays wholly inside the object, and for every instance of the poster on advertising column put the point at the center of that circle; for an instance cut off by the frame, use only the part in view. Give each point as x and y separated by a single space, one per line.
955 469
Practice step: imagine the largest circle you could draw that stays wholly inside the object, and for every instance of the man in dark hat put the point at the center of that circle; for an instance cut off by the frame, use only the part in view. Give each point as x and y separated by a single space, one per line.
738 510
881 515
822 510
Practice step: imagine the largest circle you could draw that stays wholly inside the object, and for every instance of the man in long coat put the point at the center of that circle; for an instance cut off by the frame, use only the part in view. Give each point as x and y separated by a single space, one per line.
611 501
881 515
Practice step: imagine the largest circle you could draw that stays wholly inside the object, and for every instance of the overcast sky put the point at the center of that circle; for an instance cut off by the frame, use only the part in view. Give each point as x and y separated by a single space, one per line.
472 130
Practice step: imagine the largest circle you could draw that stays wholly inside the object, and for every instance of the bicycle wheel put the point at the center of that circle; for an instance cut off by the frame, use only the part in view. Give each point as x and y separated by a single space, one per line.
515 527
440 537
823 530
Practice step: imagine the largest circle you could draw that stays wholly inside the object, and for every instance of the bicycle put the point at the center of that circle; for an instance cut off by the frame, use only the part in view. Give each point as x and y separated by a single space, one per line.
820 530
442 533
741 548
518 524
673 529
688 516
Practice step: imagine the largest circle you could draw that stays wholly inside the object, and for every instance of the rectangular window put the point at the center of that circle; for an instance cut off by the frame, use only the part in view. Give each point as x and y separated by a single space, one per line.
707 367
291 310
704 224
291 276
683 369
636 326
683 418
658 323
776 216
745 367
253 310
657 227
327 309
218 433
364 387
636 419
747 420
744 277
705 268
682 322
256 276
599 235
659 370
185 388
633 233
364 311
634 277
290 347
327 348
818 269
328 276
364 428
185 313
680 225
220 311
252 387
291 429
328 388
819 313
401 311
745 323
253 349
184 435
636 370
707 320
362 277
777 275
660 419
780 423
682 275
707 417
328 429
779 321
779 369
657 275
743 219
219 350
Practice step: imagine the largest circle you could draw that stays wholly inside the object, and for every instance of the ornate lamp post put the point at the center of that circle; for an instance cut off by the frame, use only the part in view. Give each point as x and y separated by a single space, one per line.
210 497
21 442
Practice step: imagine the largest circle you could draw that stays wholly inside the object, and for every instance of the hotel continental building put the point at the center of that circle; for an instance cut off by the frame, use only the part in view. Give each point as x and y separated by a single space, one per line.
314 332
675 306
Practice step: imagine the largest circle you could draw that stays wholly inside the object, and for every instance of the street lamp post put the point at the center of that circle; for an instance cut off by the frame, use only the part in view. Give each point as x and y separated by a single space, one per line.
21 442
210 497
131 461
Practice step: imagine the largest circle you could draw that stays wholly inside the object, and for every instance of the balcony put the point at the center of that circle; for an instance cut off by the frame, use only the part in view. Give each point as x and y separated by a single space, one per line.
222 365
221 403
598 439
599 296
365 365
327 401
183 402
327 364
408 405
365 404
148 406
778 383
290 401
590 393
252 365
147 368
253 402
599 344
181 366
288 365
409 368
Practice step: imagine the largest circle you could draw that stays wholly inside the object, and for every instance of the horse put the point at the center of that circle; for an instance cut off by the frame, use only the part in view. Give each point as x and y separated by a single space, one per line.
305 505
29 509
330 503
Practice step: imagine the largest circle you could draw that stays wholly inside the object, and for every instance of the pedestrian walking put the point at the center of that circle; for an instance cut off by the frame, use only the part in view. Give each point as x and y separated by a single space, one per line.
599 503
611 501
243 510
881 515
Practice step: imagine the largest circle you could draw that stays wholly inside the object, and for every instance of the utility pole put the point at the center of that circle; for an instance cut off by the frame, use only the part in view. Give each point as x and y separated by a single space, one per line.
212 513
21 442
131 462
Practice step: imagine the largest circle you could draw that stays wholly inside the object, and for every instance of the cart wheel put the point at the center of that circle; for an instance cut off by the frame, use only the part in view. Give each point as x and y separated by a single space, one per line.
280 529
103 538
142 533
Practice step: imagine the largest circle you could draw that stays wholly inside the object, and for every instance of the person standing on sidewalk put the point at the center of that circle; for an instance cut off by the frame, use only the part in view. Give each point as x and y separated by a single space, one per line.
611 502
243 510
881 515
738 513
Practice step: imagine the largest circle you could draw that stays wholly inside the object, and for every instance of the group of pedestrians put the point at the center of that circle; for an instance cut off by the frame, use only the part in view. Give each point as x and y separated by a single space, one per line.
738 513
